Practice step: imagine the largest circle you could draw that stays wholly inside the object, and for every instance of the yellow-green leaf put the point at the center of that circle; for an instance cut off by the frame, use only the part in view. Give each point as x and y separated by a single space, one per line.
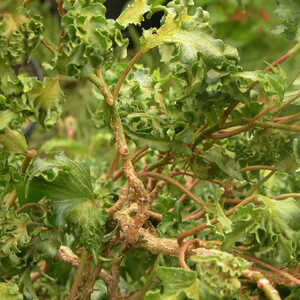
48 94
13 140
192 33
133 14
6 117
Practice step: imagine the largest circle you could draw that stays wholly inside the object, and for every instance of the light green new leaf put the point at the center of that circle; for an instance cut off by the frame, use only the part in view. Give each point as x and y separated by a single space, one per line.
192 33
6 116
219 271
48 98
271 229
133 14
10 291
13 140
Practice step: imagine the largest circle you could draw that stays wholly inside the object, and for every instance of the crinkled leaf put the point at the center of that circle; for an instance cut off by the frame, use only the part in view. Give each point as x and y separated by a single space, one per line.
191 31
271 229
88 37
219 271
68 184
19 35
133 13
14 238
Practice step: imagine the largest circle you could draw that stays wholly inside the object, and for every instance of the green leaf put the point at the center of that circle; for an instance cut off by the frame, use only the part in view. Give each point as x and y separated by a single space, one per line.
13 140
178 283
14 238
67 184
88 37
70 145
270 229
289 14
191 31
225 160
219 271
48 99
133 13
19 35
137 262
6 117
10 291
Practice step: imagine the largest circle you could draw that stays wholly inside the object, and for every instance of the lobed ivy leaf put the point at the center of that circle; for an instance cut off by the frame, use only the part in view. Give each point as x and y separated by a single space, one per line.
225 160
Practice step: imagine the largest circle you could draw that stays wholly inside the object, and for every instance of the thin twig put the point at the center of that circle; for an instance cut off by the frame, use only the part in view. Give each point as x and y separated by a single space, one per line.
227 112
283 196
78 275
282 273
124 74
181 253
175 183
49 47
122 199
260 183
202 226
262 283
283 58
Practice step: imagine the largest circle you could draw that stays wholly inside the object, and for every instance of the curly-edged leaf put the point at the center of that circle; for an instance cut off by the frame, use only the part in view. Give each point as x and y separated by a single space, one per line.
14 238
87 223
88 37
189 28
270 229
133 14
13 140
19 35
219 271
10 291
272 83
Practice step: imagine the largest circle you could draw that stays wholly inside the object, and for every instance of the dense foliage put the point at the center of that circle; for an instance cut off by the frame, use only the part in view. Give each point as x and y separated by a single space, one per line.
149 160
